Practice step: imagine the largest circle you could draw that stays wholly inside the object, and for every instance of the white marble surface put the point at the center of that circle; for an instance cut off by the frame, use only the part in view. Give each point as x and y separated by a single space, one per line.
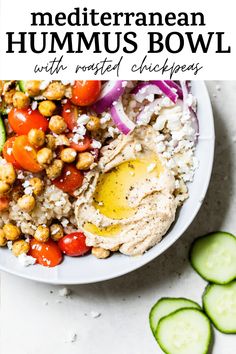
36 320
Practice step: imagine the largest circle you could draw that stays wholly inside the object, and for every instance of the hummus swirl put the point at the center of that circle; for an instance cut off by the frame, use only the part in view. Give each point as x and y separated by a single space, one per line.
127 201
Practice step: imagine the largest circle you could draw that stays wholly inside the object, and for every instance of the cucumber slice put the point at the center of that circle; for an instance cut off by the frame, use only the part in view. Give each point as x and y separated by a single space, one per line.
2 134
21 85
167 305
213 257
184 331
219 303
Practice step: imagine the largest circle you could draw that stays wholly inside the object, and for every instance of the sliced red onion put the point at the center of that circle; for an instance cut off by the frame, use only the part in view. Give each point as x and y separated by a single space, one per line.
166 89
175 86
111 92
144 89
120 118
145 115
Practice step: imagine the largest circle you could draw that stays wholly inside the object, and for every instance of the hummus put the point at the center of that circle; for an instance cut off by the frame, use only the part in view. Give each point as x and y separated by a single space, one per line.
127 202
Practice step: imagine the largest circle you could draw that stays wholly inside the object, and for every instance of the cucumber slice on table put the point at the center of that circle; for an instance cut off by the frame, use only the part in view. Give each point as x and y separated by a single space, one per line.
21 84
2 134
167 305
214 257
185 331
219 302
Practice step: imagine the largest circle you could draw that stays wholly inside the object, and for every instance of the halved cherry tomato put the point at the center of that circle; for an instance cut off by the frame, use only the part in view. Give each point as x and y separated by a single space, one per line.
85 92
70 179
74 244
23 120
25 154
48 254
4 203
70 115
7 152
82 145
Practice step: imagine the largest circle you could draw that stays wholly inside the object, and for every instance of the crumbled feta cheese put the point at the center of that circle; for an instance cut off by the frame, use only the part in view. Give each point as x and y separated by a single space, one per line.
26 184
161 147
159 138
83 119
64 222
138 147
160 123
80 129
113 131
68 82
28 190
34 105
105 118
150 97
25 260
20 175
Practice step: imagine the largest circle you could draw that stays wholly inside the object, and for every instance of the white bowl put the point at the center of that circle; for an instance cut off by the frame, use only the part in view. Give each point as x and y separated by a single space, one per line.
88 269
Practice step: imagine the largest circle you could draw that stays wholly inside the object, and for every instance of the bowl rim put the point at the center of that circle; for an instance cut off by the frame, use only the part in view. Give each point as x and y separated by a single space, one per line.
143 260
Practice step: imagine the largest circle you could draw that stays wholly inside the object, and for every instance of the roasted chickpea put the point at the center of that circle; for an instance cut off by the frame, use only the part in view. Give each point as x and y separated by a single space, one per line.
11 232
26 203
68 155
85 160
50 142
54 91
47 108
3 240
57 124
54 170
32 87
93 123
4 188
44 156
36 137
21 100
42 233
20 247
7 173
37 185
56 231
100 253
8 96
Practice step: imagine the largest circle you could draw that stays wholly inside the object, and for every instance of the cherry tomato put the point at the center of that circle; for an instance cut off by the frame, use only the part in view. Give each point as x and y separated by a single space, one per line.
70 114
82 145
23 120
85 92
25 154
4 203
74 244
7 152
70 179
48 254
